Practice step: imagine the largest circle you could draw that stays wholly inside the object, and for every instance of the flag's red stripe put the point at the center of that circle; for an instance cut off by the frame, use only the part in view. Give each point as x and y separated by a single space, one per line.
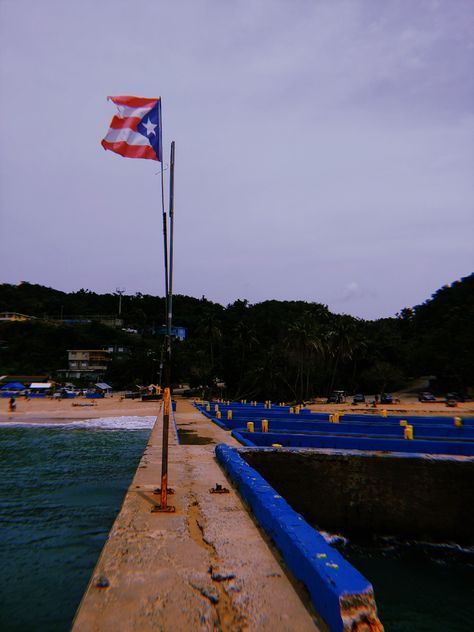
120 123
133 102
131 151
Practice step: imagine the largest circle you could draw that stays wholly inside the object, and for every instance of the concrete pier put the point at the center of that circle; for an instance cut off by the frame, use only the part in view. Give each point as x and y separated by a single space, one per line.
205 567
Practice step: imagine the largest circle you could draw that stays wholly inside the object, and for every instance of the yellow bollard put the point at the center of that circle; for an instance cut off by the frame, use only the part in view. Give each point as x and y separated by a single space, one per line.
297 410
403 422
250 426
336 418
208 408
384 413
218 415
229 415
216 407
408 432
276 445
264 425
458 422
291 410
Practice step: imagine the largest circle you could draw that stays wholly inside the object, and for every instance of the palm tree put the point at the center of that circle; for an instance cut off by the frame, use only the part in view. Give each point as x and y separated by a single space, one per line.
304 343
245 339
343 341
209 329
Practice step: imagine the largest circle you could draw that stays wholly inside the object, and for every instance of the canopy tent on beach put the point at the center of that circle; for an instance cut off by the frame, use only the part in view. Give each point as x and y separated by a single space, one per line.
12 386
103 386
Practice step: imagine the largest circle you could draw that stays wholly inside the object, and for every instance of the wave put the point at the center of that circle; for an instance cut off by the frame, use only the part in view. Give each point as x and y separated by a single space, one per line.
116 423
132 422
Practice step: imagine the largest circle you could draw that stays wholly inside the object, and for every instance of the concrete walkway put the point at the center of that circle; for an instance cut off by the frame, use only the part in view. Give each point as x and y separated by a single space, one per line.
205 567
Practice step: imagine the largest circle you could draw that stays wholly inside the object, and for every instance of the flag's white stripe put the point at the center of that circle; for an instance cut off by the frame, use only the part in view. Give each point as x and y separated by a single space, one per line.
127 135
124 111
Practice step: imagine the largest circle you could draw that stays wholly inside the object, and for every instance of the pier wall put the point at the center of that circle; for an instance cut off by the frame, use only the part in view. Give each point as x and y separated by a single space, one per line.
374 444
414 496
340 593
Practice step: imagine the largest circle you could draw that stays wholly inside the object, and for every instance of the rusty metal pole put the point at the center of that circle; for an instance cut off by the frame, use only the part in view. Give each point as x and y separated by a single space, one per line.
164 458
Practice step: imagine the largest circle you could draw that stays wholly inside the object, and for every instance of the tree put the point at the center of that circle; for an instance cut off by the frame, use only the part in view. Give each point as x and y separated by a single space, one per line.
304 343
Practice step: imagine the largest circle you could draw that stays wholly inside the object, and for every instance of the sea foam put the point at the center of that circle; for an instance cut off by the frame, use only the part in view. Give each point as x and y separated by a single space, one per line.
100 423
116 423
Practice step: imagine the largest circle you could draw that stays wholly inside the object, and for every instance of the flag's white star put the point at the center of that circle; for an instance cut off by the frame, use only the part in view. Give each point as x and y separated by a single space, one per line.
150 128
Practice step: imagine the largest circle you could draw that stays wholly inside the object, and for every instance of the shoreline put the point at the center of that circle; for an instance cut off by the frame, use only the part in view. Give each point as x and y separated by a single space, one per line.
53 411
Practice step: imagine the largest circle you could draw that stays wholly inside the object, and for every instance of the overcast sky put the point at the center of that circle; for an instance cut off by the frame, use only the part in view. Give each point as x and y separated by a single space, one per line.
324 148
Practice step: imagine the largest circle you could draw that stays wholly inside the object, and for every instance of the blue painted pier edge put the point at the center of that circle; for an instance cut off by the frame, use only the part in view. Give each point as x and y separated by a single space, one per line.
342 596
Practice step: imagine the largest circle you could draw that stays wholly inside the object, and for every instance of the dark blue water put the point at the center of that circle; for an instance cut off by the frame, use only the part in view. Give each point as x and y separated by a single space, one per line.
60 491
418 587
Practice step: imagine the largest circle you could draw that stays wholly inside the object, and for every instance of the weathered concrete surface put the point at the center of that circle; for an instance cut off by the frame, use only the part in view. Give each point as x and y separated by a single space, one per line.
420 497
206 567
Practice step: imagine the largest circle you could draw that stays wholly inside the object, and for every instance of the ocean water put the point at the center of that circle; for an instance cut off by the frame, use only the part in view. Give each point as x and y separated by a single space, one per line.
61 488
418 587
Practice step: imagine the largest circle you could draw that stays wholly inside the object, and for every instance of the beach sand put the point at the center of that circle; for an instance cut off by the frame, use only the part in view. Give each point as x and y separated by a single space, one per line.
41 410
405 406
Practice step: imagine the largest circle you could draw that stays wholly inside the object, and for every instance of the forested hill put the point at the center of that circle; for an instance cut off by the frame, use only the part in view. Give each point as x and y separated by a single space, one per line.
275 349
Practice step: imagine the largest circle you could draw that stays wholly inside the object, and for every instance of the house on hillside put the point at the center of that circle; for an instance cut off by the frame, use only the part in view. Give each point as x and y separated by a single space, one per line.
16 317
87 363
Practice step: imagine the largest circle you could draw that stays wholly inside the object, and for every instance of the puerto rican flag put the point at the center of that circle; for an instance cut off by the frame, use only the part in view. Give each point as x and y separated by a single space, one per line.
135 131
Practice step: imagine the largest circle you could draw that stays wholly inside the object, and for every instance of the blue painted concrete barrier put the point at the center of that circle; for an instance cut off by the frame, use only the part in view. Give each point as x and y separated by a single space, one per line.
355 443
437 431
342 596
432 435
247 412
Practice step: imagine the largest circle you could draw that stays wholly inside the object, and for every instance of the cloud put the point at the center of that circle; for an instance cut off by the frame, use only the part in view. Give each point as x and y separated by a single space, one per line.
316 142
353 291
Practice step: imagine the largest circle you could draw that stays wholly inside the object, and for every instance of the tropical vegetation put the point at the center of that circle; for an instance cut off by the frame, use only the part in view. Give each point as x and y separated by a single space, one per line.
281 350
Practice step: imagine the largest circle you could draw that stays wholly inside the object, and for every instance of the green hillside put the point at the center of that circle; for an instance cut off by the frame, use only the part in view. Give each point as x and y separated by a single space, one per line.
291 350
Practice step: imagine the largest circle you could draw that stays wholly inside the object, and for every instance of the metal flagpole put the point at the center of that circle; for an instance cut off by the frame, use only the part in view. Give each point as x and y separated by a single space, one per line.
171 210
164 507
163 211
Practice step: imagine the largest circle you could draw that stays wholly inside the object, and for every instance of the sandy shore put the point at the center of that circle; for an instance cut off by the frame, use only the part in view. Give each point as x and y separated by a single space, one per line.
62 411
406 406
49 410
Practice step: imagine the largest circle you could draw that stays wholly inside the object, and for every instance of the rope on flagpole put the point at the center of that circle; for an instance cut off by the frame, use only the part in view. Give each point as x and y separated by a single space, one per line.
165 167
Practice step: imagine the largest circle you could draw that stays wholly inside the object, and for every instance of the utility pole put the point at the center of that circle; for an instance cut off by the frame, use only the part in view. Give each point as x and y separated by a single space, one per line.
120 291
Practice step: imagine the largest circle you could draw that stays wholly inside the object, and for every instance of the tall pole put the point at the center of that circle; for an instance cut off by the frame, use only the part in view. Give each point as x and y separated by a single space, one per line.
163 212
120 291
171 210
167 372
